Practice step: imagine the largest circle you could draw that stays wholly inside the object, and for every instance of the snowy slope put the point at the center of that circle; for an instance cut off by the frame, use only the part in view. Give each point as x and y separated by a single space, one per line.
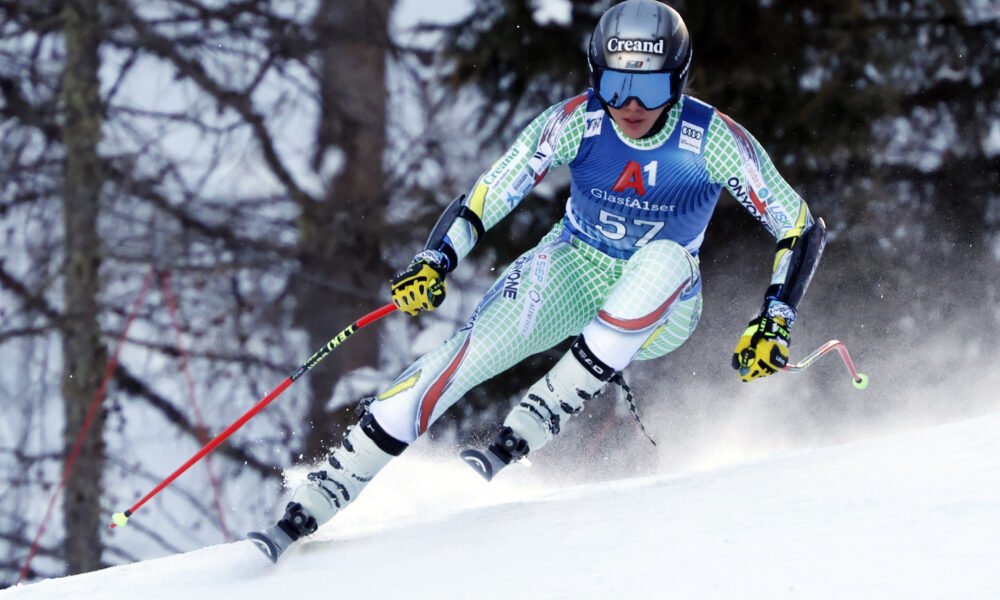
912 515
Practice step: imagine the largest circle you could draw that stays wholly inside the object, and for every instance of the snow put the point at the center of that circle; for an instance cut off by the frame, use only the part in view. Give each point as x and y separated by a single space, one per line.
991 142
559 12
910 515
980 11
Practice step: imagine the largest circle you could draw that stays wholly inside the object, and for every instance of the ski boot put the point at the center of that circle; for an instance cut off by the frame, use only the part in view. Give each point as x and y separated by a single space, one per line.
577 377
365 449
275 540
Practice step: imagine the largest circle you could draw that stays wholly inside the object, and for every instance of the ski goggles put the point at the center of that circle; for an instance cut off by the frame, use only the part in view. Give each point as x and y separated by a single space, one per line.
651 89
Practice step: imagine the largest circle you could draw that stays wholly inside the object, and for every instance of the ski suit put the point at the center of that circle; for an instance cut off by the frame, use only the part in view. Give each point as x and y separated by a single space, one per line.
622 265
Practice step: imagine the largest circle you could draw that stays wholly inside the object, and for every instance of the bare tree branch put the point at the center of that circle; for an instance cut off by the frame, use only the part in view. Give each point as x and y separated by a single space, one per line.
130 384
236 100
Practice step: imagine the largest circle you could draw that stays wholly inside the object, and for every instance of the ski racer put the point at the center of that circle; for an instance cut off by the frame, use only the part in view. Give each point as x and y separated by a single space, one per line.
619 272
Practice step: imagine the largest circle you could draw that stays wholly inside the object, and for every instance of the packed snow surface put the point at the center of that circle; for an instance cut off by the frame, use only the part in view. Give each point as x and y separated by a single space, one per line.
911 515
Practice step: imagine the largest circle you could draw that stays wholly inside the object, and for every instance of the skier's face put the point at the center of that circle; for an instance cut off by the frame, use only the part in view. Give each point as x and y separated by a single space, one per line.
634 120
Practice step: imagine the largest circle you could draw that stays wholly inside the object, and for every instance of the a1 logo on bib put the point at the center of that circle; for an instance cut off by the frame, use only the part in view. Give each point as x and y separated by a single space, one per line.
691 137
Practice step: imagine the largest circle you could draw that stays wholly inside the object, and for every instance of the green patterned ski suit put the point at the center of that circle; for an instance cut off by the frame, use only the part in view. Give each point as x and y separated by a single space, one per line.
619 268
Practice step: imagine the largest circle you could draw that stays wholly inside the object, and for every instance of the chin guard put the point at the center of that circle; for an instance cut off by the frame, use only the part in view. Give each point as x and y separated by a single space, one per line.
806 250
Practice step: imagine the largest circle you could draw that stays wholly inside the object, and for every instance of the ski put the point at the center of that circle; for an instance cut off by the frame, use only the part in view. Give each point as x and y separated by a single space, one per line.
486 463
272 542
507 447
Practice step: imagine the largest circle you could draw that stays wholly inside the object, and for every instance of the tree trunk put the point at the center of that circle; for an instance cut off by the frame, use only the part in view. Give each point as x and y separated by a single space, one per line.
340 237
84 355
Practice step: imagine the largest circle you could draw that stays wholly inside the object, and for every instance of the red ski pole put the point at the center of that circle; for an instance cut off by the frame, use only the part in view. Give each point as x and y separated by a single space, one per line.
121 519
860 379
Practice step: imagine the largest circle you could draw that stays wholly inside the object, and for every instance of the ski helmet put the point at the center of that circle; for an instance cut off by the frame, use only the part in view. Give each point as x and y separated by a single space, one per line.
640 49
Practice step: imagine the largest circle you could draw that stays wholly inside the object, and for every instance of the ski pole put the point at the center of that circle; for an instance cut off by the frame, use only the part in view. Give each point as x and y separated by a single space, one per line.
121 519
860 379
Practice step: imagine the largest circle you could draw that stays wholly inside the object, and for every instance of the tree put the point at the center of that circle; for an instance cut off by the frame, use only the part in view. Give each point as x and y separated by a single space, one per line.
342 273
84 354
187 131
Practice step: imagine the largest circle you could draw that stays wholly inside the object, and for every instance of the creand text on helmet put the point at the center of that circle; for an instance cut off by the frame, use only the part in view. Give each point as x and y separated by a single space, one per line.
619 45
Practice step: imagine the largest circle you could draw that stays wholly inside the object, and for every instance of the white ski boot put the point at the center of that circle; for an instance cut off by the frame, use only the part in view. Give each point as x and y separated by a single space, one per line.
363 452
577 377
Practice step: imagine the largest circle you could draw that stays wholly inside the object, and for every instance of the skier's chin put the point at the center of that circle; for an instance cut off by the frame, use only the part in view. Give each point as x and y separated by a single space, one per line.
635 128
635 122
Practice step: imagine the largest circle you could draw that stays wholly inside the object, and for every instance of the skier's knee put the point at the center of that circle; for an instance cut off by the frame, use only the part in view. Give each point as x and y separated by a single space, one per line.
674 332
667 255
660 271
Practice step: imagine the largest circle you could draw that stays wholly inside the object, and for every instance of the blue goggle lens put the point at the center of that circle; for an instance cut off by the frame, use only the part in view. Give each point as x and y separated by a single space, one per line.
652 90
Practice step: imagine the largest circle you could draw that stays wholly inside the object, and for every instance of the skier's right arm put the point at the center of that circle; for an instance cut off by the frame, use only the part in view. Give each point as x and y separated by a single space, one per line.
552 139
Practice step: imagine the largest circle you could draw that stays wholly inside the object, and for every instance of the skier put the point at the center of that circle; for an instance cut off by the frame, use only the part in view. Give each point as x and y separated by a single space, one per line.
619 271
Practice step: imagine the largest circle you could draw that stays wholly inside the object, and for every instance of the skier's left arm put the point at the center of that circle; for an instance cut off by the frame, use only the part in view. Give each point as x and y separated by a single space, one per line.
742 165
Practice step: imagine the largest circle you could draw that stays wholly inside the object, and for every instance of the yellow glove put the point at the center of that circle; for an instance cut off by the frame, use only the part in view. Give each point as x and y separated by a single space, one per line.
421 285
763 348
